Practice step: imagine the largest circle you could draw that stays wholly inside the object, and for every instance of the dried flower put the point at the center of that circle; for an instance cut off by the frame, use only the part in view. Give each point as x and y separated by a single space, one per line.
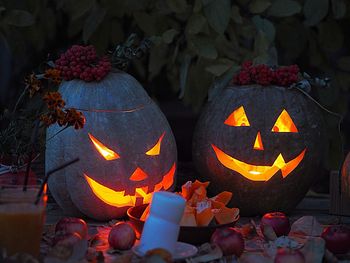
75 118
53 100
33 84
54 75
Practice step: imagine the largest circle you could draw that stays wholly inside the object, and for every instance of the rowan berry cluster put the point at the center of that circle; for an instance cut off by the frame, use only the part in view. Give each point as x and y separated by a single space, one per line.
82 62
264 75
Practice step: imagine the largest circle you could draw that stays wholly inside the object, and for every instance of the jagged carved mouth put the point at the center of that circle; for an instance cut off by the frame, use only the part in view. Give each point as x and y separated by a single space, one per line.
258 172
142 194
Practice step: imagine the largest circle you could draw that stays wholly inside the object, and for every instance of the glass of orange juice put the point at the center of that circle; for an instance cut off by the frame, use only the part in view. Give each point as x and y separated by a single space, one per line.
21 221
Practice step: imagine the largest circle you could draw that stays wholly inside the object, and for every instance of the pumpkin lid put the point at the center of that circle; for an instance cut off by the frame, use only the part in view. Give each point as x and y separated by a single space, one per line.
117 92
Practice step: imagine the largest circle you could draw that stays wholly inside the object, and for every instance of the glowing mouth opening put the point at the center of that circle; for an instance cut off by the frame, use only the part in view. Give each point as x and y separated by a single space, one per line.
258 172
119 199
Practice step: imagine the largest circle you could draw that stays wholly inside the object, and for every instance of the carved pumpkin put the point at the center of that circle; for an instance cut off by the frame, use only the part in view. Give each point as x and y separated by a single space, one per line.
126 149
264 144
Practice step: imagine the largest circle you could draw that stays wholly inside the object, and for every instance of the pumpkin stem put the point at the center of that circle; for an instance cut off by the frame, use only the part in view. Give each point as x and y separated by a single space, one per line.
131 49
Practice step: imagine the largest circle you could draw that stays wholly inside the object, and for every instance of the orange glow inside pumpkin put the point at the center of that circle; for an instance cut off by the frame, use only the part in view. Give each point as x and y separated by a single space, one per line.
119 199
237 118
107 153
284 123
155 150
258 172
258 144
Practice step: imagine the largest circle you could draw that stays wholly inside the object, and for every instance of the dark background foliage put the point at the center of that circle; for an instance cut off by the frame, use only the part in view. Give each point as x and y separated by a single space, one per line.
198 44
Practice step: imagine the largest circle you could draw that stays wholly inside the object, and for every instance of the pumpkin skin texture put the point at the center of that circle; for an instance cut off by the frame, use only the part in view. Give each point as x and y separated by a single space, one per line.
256 144
122 117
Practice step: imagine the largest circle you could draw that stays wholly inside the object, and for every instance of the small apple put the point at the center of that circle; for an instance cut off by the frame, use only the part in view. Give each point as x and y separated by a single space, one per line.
278 221
72 225
337 238
122 236
287 255
67 239
229 240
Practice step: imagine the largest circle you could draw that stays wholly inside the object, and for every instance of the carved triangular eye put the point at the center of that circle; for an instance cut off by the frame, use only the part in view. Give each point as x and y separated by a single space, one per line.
107 153
284 123
237 118
155 150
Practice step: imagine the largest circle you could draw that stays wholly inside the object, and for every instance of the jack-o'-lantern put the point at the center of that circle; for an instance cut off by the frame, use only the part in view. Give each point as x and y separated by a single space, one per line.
264 144
126 149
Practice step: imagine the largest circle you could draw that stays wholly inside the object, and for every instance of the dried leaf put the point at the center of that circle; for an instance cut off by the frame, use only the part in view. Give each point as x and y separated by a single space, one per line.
307 225
315 11
283 8
314 250
248 231
218 14
259 6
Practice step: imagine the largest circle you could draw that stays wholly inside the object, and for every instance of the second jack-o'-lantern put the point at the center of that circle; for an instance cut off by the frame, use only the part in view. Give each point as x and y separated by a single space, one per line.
262 143
126 149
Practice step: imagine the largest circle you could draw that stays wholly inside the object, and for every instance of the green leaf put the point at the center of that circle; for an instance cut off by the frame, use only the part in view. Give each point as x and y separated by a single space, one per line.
344 63
93 21
184 67
218 14
259 6
261 45
338 8
204 47
195 24
282 8
168 36
177 6
330 35
220 68
197 6
315 11
19 18
265 26
2 9
78 8
235 15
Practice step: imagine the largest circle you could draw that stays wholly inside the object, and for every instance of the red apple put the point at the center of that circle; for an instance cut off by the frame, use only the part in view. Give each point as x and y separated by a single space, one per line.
122 236
287 255
72 225
229 240
278 221
337 238
67 239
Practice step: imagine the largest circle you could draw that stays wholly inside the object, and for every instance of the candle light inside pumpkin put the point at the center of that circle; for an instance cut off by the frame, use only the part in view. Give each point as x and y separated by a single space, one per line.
162 227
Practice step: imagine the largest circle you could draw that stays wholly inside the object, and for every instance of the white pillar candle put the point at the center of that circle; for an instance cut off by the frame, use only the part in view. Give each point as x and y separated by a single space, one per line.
161 229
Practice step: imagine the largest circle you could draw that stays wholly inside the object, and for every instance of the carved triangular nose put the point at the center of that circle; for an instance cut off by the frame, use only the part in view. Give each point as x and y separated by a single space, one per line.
258 144
138 175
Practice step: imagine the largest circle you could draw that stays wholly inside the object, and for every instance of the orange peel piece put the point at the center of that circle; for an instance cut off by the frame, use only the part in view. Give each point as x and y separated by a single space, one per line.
223 197
226 215
189 217
204 213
